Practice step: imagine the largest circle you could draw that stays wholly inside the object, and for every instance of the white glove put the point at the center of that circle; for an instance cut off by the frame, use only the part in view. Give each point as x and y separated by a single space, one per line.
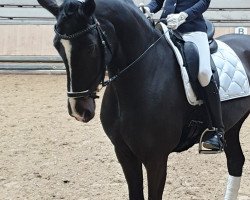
175 20
145 10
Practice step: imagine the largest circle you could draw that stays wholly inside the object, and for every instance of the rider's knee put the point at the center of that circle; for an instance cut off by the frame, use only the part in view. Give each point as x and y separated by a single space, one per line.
204 77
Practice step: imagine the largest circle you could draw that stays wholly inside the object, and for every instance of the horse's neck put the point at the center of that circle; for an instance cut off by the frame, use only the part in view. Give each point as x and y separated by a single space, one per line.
133 38
132 33
151 70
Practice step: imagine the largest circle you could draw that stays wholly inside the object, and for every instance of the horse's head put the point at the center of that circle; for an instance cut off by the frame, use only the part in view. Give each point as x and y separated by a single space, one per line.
79 41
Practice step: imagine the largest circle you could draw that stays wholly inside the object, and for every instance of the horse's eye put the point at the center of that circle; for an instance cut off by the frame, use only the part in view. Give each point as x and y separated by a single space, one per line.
67 15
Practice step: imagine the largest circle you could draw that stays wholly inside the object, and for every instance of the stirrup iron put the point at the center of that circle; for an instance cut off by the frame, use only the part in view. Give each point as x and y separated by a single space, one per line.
205 151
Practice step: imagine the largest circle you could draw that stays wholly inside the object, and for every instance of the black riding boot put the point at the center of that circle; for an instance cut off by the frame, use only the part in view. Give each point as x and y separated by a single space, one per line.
212 100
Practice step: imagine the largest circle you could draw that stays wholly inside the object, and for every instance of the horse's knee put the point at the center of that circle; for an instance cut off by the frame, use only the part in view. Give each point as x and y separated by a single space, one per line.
204 76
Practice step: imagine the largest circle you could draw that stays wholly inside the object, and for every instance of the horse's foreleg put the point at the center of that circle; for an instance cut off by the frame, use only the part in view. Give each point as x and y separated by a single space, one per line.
235 161
156 172
132 169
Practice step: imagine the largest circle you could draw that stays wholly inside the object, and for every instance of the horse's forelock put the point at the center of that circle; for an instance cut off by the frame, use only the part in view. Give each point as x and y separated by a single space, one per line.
82 8
71 7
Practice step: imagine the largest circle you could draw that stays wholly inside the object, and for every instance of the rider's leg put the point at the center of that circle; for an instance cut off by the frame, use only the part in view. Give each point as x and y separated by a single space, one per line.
212 98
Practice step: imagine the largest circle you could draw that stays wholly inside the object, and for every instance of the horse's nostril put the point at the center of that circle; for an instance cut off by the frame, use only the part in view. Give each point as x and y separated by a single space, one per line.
82 109
87 115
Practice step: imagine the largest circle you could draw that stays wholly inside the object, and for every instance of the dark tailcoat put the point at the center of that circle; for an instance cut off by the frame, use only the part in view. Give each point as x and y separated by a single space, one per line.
194 9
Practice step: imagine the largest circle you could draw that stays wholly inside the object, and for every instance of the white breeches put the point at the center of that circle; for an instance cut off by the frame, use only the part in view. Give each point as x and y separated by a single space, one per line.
201 41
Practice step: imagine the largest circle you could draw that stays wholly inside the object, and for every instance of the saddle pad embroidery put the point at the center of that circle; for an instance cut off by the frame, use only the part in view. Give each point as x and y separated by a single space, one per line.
233 78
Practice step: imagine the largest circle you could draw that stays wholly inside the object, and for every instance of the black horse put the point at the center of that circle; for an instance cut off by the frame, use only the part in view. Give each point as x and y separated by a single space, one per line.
144 112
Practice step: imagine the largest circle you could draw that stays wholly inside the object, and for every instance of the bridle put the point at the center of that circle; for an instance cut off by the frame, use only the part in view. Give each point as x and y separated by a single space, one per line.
107 54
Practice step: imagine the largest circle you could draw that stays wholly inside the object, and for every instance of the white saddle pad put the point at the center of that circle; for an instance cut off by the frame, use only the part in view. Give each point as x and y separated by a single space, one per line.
233 78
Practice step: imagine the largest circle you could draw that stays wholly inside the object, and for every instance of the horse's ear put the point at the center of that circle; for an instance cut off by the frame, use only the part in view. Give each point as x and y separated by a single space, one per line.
88 7
50 5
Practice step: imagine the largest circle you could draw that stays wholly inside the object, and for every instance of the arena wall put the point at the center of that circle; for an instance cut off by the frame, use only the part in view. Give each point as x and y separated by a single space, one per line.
27 28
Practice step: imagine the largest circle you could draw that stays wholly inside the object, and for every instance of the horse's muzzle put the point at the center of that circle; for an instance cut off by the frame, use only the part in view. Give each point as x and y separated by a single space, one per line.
82 109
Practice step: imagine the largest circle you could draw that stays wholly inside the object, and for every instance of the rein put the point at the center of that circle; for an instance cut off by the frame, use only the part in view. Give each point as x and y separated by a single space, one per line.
106 47
105 83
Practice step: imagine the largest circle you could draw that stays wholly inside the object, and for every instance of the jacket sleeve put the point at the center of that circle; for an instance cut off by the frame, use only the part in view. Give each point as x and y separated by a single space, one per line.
169 8
197 9
155 5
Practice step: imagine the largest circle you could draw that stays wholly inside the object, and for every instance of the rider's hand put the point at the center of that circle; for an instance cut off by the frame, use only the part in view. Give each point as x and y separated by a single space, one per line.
175 20
145 10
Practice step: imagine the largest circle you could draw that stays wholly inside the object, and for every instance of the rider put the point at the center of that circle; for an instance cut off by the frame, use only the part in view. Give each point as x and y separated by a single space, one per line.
185 16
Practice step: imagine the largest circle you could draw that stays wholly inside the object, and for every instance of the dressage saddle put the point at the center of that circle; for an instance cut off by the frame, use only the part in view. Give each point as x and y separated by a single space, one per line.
190 56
